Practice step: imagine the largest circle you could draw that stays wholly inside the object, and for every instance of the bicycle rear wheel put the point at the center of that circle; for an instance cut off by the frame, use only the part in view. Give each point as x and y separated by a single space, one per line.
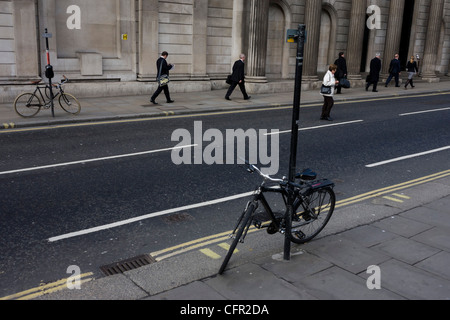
69 103
27 105
244 222
311 214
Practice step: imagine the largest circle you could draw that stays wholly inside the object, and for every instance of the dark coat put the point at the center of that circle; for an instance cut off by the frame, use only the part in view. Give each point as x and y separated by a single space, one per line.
342 68
375 69
395 66
412 67
238 71
165 67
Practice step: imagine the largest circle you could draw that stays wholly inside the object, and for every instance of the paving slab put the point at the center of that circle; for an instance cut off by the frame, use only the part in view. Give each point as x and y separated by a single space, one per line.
406 250
345 254
438 237
412 282
251 282
338 284
438 264
402 226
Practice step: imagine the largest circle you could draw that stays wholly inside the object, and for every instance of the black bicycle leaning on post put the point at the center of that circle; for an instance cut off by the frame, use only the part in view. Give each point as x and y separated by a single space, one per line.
313 206
28 104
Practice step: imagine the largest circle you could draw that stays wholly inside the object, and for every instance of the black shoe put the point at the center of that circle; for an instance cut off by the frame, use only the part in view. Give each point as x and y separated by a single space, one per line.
326 118
153 101
248 98
170 101
228 98
374 90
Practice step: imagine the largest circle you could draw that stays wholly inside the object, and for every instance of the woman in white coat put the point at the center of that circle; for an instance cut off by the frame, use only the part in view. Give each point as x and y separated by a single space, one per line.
330 81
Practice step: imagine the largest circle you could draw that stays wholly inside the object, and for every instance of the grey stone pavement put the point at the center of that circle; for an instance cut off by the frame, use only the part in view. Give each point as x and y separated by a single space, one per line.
408 240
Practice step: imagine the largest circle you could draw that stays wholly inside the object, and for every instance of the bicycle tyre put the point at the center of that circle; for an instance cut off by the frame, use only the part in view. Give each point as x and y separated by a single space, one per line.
243 224
310 215
27 105
69 103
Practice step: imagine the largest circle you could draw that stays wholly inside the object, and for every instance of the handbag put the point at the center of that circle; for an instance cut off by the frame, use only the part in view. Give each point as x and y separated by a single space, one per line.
163 79
345 83
229 81
325 89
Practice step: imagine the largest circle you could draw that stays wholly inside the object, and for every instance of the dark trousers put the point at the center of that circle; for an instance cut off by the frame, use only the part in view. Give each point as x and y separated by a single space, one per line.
392 75
327 105
233 86
159 90
375 84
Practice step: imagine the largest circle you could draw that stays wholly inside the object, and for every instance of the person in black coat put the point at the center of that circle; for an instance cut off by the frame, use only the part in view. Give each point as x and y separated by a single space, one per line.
374 76
395 69
165 68
341 72
238 78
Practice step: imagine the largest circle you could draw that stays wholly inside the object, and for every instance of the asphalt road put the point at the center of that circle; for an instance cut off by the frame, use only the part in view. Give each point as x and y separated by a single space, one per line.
54 182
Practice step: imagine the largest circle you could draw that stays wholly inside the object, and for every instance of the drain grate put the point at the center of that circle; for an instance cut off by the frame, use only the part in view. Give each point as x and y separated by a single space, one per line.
127 265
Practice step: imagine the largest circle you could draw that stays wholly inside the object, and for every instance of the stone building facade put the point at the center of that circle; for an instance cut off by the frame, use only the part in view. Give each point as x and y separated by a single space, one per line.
109 47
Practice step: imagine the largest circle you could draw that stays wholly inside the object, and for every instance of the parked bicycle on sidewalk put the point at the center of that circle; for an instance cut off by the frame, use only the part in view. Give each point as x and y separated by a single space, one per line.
28 104
312 209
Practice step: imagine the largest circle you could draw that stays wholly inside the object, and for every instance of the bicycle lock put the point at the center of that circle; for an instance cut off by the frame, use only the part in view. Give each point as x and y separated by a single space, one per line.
49 74
295 36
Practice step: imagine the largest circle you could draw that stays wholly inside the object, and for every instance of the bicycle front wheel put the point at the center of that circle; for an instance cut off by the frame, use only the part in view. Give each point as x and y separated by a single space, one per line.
69 103
311 214
27 105
244 222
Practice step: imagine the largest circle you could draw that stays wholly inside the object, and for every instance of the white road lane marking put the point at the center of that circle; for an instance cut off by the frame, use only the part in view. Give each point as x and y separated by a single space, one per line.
407 157
65 164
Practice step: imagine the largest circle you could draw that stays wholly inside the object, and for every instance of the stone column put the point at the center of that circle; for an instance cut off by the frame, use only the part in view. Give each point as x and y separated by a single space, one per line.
26 49
236 37
355 39
432 41
313 14
393 34
148 39
257 46
199 37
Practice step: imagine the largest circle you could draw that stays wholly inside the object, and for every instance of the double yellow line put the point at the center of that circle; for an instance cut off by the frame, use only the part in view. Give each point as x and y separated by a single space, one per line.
206 241
47 288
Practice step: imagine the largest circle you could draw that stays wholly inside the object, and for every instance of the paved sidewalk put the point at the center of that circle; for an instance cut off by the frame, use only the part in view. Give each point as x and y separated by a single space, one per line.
409 241
129 107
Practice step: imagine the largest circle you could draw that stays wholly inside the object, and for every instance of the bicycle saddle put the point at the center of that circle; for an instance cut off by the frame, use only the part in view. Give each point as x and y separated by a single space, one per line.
307 174
36 82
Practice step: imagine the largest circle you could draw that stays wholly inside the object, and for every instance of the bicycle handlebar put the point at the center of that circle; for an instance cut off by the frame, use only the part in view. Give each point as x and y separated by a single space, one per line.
253 168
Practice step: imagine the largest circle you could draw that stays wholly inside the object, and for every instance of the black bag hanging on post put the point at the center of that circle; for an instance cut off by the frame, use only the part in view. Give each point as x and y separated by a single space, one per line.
49 72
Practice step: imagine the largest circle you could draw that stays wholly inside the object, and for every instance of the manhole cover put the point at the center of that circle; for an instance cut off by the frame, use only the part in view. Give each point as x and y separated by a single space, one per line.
127 265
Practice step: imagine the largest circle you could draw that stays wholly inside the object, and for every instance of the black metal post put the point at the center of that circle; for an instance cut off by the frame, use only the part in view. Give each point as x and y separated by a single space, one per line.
295 127
49 70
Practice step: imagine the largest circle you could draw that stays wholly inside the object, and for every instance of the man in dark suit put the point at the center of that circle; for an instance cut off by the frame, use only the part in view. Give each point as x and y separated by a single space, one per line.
374 76
394 71
238 78
341 72
161 65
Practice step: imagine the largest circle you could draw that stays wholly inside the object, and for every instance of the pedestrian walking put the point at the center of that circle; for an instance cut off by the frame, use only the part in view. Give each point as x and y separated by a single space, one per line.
374 75
329 80
163 72
394 71
412 69
237 78
341 72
